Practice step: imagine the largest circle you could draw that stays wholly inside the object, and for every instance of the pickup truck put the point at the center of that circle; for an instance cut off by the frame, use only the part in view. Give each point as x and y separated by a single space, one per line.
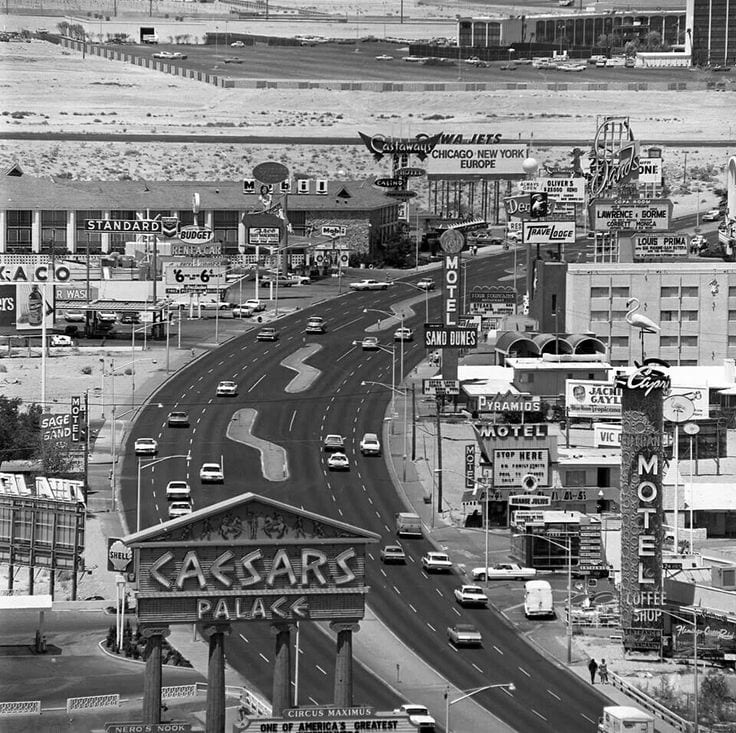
369 285
464 635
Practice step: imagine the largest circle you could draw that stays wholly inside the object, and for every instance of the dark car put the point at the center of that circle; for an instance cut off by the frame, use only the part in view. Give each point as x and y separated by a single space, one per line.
178 420
130 318
267 334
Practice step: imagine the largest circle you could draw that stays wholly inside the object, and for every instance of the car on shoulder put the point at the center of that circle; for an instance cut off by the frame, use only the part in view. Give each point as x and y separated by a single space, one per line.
267 334
178 419
370 445
227 388
403 334
60 339
333 442
369 343
464 635
503 571
242 311
145 447
170 55
415 59
711 215
256 304
436 562
211 473
338 462
426 283
315 324
393 554
369 284
471 595
179 509
232 60
475 61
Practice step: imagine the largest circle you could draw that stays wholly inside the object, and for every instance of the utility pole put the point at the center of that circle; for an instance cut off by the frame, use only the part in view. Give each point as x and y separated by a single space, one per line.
439 457
414 423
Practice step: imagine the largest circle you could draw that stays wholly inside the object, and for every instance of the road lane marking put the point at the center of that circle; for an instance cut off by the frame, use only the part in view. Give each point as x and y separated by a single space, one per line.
498 650
556 697
456 611
413 609
431 627
264 658
539 715
523 671
588 719
257 383
347 353
398 592
439 592
320 669
291 422
477 667
507 691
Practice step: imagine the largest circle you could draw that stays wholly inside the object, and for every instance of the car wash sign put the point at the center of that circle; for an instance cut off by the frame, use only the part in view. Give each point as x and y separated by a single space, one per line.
250 559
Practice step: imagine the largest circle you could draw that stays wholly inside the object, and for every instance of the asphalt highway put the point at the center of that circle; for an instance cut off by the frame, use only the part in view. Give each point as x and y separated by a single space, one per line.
417 607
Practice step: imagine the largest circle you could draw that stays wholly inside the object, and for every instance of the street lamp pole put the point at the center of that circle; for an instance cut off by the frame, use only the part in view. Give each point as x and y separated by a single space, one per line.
510 686
141 466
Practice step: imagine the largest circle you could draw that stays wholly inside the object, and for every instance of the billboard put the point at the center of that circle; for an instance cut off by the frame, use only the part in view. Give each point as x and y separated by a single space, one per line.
563 190
491 300
439 336
510 466
183 276
473 160
549 232
590 398
653 215
650 170
438 386
33 307
659 246
606 435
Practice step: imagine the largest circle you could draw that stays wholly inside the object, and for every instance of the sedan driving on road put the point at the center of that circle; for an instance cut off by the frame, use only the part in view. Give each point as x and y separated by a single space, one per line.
712 215
437 562
178 420
267 334
403 334
471 595
211 473
315 325
179 509
338 462
464 635
333 443
370 445
503 571
369 343
146 447
426 283
369 285
227 389
393 554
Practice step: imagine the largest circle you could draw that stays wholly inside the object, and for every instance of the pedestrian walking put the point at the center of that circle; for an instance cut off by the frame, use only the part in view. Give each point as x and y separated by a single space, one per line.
603 672
592 668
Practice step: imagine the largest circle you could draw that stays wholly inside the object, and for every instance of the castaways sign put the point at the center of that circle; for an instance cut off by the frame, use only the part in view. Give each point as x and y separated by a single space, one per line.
380 145
250 559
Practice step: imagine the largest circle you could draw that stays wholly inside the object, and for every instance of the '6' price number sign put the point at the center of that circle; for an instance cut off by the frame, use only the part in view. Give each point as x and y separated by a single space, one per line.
182 277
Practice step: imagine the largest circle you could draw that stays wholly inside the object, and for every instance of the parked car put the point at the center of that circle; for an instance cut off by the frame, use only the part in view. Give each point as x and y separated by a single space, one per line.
267 334
369 284
538 599
237 44
178 419
60 339
370 445
403 334
712 215
256 304
75 316
226 388
384 57
211 473
338 462
232 60
471 595
426 283
438 562
333 443
242 311
393 554
464 635
503 571
179 509
315 325
107 316
146 447
475 61
133 317
369 343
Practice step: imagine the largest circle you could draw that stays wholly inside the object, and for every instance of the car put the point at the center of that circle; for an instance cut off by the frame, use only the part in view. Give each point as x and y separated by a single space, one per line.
369 343
403 334
242 311
503 571
436 562
60 339
419 716
711 215
169 55
369 284
146 447
475 61
384 57
178 419
315 325
333 443
267 334
178 491
237 44
227 388
256 304
370 445
508 67
471 595
393 553
415 59
211 473
300 279
426 283
233 60
75 316
107 316
179 509
464 635
338 462
281 281
130 318
698 242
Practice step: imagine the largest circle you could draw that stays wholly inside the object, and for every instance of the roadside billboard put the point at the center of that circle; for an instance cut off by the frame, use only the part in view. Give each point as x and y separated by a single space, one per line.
590 398
659 246
473 160
653 214
511 466
549 232
563 190
33 307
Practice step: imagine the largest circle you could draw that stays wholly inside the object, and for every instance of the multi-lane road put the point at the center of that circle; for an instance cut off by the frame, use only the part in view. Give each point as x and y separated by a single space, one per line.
416 606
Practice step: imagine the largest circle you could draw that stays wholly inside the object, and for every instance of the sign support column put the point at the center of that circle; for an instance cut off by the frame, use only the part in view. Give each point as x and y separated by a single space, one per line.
216 677
343 696
152 677
281 693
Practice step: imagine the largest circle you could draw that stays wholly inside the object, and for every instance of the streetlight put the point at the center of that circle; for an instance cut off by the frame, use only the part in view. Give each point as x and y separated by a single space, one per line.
692 429
511 50
141 466
510 686
567 547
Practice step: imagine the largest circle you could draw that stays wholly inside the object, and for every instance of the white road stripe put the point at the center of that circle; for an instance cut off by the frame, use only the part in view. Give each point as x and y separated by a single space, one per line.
556 697
523 671
320 669
477 667
257 383
498 650
539 715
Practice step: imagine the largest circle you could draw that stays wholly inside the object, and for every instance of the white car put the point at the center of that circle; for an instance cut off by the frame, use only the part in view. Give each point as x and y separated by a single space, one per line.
75 316
393 554
242 311
384 57
464 635
369 285
418 716
370 445
179 509
403 334
338 462
437 562
107 316
475 61
503 571
369 343
146 447
237 44
256 304
415 59
712 215
211 473
226 388
334 443
471 595
60 339
426 283
315 325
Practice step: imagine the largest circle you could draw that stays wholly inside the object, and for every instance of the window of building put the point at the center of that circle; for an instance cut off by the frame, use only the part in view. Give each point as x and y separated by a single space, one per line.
669 291
731 291
53 230
186 217
225 226
599 292
622 292
688 315
665 341
18 230
690 291
732 315
88 241
599 316
688 362
619 342
574 478
731 341
689 341
668 315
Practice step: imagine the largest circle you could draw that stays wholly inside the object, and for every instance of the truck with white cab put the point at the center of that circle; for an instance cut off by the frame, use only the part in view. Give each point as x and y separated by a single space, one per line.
625 719
538 601
408 525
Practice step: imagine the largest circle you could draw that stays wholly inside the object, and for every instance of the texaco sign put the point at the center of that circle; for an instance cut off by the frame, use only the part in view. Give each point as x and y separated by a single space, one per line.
250 559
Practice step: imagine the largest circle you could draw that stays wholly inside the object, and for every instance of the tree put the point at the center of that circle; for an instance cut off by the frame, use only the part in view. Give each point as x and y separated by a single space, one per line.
631 48
55 459
653 41
19 431
713 696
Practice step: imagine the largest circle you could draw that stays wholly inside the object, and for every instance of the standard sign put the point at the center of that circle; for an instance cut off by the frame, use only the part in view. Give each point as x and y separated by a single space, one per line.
659 246
264 235
129 226
549 232
434 387
511 466
654 215
485 161
439 336
563 190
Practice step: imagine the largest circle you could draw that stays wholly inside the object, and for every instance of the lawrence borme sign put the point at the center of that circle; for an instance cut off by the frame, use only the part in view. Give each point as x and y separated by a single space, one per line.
250 559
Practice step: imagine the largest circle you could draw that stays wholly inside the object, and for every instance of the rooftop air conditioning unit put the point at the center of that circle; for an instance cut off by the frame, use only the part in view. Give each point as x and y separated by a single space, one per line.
723 577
